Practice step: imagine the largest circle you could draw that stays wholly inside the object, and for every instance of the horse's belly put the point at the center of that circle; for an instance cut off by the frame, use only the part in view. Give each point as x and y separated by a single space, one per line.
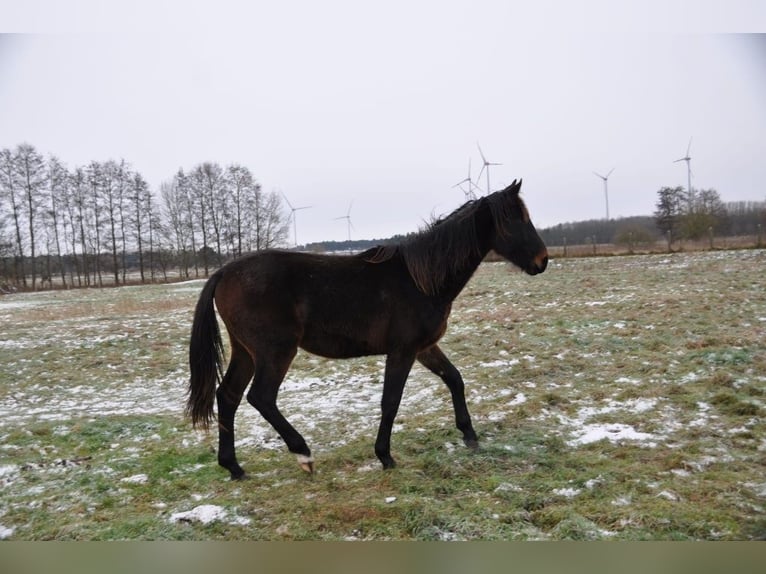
334 346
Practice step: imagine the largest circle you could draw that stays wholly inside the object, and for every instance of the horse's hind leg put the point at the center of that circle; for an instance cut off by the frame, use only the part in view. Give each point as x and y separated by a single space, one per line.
270 370
229 395
436 362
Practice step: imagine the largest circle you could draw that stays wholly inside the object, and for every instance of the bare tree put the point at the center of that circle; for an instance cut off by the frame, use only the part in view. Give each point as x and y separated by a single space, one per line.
79 201
30 178
58 181
123 176
211 193
141 200
110 188
13 196
94 177
271 223
177 213
242 185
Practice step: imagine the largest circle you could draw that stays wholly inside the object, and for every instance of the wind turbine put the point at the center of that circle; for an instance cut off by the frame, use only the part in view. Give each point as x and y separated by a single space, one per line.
687 158
292 214
485 166
468 194
347 217
606 189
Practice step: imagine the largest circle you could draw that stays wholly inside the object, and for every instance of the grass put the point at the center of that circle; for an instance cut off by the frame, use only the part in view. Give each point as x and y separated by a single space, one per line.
617 398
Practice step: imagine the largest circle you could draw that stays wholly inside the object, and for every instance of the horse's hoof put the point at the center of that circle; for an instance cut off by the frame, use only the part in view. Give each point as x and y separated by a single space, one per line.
472 443
239 475
306 463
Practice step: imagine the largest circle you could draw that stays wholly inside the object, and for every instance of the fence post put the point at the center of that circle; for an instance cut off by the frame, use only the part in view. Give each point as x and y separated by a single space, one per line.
565 243
759 236
710 235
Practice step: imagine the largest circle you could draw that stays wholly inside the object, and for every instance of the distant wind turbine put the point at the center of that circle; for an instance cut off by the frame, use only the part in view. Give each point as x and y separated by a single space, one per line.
347 217
687 158
469 194
292 214
485 165
606 189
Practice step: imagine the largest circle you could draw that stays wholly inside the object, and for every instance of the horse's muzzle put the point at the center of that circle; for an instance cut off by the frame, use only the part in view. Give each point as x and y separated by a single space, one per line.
538 264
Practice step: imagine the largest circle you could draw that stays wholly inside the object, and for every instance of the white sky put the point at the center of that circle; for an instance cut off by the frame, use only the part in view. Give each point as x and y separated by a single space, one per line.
383 103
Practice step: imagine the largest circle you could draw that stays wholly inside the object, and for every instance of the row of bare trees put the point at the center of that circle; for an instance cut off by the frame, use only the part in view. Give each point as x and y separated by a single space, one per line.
213 213
94 224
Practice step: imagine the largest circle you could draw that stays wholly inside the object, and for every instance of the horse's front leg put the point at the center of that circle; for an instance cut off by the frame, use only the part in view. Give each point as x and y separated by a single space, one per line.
435 361
398 367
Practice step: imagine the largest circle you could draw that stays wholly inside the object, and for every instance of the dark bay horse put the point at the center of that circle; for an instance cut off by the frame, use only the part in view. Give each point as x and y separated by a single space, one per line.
390 300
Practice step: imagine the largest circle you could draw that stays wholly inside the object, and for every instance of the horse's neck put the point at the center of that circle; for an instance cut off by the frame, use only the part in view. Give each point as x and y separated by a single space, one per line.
458 278
456 281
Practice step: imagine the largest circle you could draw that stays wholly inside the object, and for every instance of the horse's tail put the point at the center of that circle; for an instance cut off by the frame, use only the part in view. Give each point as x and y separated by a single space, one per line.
205 357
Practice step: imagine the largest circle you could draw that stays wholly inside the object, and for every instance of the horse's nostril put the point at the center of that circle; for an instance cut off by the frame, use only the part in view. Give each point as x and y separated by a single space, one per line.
543 264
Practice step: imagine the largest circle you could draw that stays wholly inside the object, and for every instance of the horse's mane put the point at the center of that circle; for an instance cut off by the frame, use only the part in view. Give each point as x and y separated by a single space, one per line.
447 244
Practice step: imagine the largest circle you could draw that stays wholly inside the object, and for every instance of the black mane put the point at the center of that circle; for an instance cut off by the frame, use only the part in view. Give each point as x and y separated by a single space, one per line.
448 244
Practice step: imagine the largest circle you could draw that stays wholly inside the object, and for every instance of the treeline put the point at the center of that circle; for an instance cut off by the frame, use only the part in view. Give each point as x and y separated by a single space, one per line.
677 217
91 224
352 245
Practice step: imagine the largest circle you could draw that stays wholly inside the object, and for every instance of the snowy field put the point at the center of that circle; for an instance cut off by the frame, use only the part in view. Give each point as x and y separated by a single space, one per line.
641 380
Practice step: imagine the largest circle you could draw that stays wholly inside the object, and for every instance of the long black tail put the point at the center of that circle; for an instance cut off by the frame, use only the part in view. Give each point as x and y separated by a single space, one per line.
205 357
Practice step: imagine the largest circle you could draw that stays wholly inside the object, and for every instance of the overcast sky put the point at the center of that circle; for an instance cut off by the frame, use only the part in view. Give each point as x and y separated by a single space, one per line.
383 103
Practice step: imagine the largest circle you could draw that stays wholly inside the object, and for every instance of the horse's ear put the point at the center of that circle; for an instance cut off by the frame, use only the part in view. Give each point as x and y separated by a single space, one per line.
515 187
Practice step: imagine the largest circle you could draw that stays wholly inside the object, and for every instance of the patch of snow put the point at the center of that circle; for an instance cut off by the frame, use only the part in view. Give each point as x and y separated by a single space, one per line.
5 532
8 469
622 501
136 479
207 513
689 378
500 363
613 432
593 482
519 399
566 492
703 417
668 495
682 472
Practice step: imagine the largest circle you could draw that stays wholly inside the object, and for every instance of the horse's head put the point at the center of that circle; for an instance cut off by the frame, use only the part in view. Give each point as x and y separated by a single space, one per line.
515 238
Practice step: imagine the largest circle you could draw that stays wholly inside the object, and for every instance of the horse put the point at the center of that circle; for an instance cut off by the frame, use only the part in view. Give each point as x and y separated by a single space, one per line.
391 300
